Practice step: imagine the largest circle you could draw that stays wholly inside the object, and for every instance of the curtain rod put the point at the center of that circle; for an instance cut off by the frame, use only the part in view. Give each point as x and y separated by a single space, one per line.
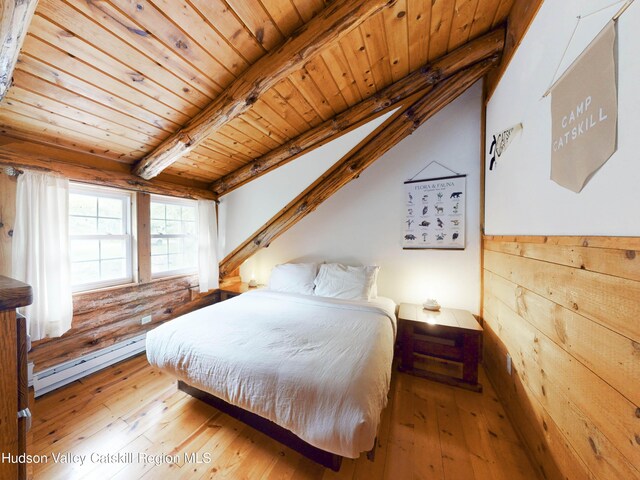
12 171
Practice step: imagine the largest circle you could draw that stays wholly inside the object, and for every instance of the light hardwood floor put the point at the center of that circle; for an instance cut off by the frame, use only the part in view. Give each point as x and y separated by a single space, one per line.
429 431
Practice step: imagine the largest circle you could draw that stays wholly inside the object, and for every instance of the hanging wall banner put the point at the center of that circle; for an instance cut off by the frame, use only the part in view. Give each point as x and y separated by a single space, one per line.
584 114
500 143
435 213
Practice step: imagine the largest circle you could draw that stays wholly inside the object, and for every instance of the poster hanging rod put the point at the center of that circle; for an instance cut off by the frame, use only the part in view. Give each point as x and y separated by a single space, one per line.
626 5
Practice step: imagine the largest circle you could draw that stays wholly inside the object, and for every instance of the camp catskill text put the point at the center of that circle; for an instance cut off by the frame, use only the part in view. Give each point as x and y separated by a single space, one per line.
103 458
578 122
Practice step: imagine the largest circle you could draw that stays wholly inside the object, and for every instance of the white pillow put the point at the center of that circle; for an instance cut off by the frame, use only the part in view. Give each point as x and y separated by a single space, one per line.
293 278
342 281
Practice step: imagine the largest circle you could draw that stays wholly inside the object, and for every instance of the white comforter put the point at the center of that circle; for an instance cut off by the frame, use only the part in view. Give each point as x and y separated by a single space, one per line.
319 367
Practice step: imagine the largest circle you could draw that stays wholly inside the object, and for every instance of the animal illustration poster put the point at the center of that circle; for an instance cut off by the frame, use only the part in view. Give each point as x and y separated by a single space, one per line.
435 213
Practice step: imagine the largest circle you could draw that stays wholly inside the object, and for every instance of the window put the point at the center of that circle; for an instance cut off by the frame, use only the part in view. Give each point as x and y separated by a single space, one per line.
100 237
174 244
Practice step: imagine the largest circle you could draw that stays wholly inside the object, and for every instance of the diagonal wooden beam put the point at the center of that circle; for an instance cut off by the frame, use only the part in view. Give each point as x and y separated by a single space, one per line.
15 17
356 161
327 27
484 47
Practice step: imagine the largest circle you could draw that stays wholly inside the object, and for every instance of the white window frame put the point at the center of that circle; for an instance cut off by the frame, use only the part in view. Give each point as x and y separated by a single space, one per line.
172 201
131 264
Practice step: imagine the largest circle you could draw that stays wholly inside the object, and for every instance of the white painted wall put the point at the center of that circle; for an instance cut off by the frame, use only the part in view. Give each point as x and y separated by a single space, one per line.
362 223
249 207
520 197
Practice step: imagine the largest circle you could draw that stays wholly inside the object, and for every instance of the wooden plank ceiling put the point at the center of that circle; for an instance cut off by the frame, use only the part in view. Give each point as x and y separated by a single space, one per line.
117 77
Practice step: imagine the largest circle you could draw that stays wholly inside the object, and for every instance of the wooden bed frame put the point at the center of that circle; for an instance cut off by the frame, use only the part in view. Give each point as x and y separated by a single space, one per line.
281 434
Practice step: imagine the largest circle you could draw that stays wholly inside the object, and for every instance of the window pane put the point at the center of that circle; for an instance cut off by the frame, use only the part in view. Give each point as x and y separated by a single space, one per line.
113 269
177 251
158 227
82 225
175 245
159 264
176 262
107 226
83 250
85 272
82 205
173 227
189 228
158 246
157 210
191 247
174 212
188 213
113 249
99 214
110 207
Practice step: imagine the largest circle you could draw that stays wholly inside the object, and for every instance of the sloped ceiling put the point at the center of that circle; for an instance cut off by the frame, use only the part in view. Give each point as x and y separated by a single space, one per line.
115 78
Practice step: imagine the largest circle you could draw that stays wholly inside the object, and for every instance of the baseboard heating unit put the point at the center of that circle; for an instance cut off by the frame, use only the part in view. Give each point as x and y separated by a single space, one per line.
67 372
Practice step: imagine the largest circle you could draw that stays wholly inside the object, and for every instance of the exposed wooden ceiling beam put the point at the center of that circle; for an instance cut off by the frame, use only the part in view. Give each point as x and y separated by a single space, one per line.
468 54
327 27
15 17
356 161
88 168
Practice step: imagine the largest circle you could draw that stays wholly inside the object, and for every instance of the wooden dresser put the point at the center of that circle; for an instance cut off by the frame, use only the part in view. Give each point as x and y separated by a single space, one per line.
13 376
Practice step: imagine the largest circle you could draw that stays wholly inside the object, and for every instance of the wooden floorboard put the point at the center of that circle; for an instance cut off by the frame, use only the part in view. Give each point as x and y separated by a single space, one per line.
428 431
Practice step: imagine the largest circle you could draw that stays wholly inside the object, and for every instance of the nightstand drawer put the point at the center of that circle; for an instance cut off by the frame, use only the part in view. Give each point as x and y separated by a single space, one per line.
436 332
427 346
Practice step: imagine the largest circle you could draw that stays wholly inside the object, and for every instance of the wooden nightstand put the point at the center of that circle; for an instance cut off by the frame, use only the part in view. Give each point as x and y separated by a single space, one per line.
235 289
450 334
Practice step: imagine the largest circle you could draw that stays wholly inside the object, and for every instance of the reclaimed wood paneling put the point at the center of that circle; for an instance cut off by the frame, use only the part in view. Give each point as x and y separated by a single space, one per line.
566 309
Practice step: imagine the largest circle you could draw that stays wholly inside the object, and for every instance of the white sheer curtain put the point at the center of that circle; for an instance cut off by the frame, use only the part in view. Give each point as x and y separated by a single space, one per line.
40 252
207 246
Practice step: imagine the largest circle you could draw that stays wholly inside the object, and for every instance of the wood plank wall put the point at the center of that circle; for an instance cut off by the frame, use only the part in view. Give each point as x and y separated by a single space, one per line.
567 309
7 217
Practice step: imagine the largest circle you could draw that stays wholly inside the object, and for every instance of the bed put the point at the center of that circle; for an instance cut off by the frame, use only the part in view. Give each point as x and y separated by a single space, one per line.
319 368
